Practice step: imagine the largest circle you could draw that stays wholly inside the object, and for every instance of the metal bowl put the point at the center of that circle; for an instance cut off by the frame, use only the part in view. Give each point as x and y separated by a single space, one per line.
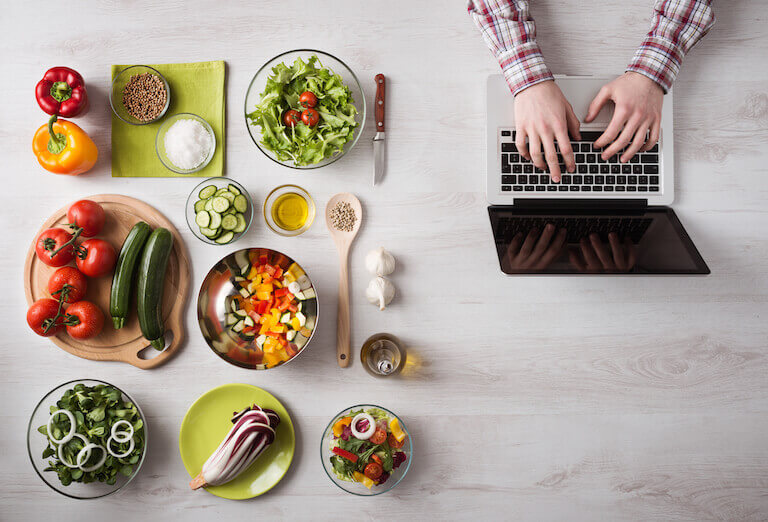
214 301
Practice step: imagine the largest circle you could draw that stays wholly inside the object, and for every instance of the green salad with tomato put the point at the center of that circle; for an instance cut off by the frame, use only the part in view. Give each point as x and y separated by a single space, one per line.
306 113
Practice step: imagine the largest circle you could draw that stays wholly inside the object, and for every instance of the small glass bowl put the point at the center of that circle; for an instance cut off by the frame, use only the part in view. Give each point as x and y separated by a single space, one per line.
116 93
272 197
356 488
194 196
37 442
160 142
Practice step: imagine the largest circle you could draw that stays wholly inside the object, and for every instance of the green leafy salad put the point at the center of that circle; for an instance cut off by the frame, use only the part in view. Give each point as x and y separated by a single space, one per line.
93 434
306 113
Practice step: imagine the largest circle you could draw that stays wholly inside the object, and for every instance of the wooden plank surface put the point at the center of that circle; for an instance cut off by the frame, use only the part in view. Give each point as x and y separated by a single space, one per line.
532 398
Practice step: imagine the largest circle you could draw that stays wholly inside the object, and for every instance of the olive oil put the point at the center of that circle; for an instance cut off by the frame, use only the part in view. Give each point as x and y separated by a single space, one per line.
382 354
290 211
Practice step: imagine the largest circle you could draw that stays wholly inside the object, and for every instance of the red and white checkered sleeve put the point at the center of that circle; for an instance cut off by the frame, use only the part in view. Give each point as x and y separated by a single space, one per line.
676 26
510 33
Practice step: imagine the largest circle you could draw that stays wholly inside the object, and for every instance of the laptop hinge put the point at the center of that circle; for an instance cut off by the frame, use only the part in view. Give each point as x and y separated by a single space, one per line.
579 203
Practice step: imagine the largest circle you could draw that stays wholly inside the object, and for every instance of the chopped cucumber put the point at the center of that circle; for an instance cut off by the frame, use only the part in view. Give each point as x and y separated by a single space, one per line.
291 335
203 219
225 238
207 192
248 321
286 318
232 319
233 189
302 318
228 195
219 214
209 232
229 222
208 204
241 224
241 312
238 327
220 204
240 203
215 219
199 205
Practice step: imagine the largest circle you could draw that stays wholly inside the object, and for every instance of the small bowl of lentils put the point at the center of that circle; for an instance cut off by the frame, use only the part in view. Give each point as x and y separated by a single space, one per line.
140 95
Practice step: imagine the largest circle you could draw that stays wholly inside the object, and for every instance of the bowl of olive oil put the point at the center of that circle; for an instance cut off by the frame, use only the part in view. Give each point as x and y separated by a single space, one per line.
289 210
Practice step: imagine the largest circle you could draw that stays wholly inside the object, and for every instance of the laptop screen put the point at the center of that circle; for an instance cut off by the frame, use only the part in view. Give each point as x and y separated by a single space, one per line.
593 241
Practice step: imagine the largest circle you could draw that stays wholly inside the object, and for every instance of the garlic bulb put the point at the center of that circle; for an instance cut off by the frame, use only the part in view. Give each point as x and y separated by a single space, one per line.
380 292
380 262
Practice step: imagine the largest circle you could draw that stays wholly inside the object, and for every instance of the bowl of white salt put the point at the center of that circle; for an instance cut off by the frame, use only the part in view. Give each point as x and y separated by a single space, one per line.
185 143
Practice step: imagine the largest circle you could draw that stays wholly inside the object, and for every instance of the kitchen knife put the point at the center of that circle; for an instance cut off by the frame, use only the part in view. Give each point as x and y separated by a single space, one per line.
379 139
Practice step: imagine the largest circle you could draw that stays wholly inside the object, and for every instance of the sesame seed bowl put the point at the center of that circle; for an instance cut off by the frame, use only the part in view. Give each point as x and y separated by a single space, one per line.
145 91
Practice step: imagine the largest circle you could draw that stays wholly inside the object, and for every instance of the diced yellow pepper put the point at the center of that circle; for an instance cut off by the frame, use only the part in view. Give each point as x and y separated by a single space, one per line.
368 483
271 359
277 284
262 296
270 344
397 431
253 273
295 323
252 286
266 287
289 277
338 428
278 328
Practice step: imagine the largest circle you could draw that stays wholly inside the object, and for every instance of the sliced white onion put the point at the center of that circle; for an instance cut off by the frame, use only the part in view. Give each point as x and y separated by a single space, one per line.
122 436
131 445
72 427
61 446
85 454
371 426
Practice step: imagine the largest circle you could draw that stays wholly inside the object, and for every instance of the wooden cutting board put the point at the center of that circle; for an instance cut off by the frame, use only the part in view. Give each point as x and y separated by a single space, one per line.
122 213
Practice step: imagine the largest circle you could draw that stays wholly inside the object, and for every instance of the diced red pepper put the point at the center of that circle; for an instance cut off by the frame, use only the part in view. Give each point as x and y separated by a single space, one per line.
345 454
283 340
284 305
280 292
254 315
263 307
293 308
270 270
249 329
278 273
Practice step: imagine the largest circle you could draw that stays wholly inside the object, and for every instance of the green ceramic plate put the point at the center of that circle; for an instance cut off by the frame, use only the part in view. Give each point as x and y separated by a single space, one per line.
207 423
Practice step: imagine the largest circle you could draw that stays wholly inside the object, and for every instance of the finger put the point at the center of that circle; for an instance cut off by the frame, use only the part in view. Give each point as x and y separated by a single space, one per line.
622 141
600 100
544 239
616 250
551 155
554 249
588 254
533 235
654 137
520 143
537 157
638 142
614 128
631 253
566 151
601 251
575 259
514 245
573 123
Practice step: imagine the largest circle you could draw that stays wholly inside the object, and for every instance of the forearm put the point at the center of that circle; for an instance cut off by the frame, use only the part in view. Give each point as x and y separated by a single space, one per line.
676 26
510 33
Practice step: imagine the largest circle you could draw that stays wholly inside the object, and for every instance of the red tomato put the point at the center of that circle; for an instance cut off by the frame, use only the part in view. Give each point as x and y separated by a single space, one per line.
310 117
376 458
373 471
308 99
291 118
378 437
84 320
96 258
70 278
394 443
49 242
41 315
88 215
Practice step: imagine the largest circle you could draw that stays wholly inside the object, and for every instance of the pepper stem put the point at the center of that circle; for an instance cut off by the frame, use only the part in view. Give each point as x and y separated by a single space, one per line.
56 142
61 91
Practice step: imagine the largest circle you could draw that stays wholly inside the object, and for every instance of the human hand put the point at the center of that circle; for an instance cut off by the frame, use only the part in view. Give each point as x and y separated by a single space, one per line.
593 256
537 251
638 101
543 115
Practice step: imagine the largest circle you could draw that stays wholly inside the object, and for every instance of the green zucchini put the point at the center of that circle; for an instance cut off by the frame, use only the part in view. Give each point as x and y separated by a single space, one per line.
120 294
154 261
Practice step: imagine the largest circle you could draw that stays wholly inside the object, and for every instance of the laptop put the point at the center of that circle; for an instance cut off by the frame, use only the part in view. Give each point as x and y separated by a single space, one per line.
606 218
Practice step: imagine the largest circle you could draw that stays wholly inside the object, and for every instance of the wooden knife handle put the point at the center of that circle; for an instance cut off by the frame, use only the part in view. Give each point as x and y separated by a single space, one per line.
381 86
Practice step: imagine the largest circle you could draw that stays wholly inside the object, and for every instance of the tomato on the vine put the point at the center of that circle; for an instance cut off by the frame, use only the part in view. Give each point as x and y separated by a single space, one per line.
291 118
50 247
310 117
87 215
41 317
84 320
308 99
70 281
96 257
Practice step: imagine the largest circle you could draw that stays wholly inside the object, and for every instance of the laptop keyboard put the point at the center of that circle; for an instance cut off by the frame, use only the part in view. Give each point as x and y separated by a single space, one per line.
577 227
593 175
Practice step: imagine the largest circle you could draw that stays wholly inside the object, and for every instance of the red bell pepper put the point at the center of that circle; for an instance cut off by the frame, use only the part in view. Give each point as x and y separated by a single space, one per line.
278 273
345 454
263 259
262 308
284 305
270 270
61 92
293 308
280 292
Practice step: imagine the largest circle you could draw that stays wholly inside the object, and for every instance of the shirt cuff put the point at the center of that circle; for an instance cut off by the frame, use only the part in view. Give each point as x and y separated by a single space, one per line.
658 59
524 66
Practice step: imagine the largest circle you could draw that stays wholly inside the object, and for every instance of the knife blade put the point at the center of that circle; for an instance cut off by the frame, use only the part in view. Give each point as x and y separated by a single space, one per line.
379 140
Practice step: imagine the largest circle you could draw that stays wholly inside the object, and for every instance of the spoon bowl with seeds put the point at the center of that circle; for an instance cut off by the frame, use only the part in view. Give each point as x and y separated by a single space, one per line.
343 216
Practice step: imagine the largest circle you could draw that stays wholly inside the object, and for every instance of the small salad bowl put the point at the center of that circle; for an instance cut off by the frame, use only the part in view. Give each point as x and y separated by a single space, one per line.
356 487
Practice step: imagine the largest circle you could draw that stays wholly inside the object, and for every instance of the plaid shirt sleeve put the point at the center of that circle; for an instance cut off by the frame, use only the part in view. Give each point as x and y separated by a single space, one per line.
510 33
676 27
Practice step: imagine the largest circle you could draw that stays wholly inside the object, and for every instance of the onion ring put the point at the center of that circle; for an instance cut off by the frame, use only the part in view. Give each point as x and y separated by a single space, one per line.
131 445
371 426
72 427
117 435
61 446
87 452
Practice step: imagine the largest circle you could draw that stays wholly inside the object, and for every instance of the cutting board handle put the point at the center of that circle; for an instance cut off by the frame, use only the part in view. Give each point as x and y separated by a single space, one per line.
381 89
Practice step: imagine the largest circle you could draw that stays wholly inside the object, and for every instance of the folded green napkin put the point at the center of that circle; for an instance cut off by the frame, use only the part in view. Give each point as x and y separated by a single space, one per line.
195 87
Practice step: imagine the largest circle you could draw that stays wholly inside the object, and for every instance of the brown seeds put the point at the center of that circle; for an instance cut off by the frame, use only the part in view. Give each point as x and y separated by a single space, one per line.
144 96
343 217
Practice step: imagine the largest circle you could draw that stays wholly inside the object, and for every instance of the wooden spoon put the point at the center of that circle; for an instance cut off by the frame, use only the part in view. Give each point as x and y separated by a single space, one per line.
343 241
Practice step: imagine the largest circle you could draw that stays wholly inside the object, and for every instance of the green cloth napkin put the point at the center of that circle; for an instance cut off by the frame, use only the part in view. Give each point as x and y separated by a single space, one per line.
195 87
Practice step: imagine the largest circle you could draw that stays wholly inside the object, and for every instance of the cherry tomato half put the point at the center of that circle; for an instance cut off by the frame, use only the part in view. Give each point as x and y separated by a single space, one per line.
84 320
49 242
373 471
394 443
291 118
376 459
310 117
70 278
308 99
41 314
88 215
378 437
96 258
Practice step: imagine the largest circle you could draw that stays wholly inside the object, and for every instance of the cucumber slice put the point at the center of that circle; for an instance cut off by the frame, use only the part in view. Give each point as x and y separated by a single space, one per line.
233 189
207 192
199 205
238 327
210 233
248 321
225 238
221 191
203 219
228 195
232 319
230 210
241 313
240 203
229 222
241 224
215 219
208 204
220 204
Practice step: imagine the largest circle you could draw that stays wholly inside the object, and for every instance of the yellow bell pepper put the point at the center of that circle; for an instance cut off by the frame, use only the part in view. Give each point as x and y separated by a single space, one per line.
271 359
262 296
397 431
368 483
295 323
62 147
338 428
266 287
278 328
254 276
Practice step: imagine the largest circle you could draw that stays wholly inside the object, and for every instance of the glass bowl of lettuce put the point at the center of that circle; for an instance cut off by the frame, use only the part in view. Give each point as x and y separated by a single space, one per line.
276 88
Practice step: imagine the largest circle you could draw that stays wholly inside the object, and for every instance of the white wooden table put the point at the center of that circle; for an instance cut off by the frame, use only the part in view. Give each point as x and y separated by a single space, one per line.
535 398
